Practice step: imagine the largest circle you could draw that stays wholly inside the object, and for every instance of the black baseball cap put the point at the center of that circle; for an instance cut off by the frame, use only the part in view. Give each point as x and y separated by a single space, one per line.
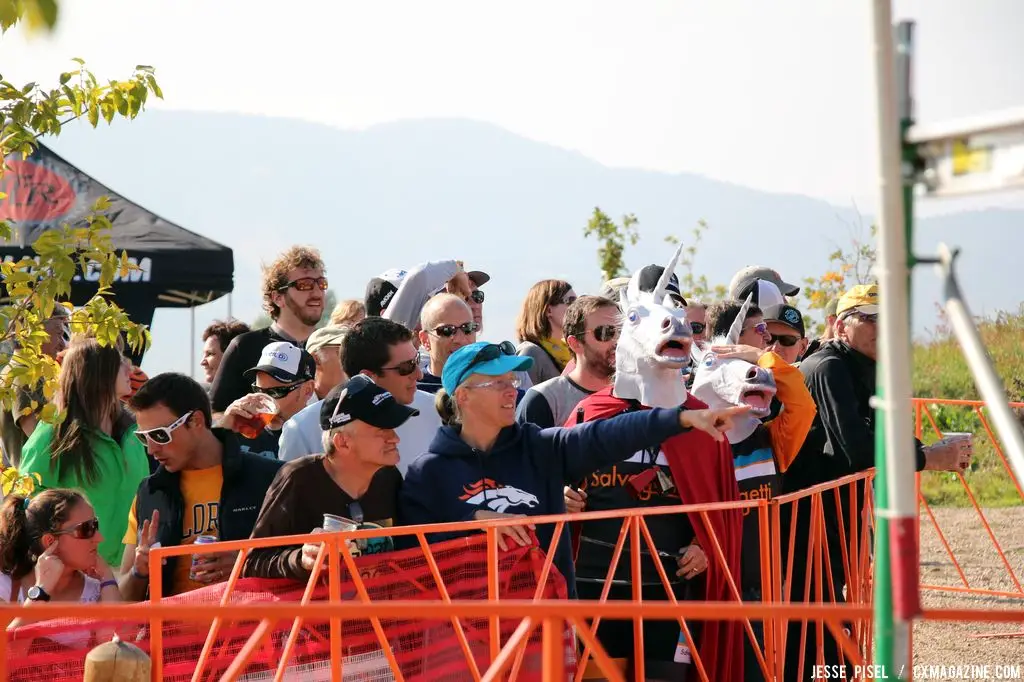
361 399
787 315
381 289
648 281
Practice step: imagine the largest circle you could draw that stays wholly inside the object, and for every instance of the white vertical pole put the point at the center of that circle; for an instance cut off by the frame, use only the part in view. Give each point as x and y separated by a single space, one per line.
192 341
894 356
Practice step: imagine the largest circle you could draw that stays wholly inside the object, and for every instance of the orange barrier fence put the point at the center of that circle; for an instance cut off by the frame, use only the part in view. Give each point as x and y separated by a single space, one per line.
471 569
989 562
462 609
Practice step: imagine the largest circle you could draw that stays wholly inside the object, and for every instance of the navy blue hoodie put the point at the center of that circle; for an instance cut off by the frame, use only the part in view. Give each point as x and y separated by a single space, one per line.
524 473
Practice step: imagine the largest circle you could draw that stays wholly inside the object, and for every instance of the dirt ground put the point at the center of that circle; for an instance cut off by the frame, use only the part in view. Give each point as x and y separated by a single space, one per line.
948 643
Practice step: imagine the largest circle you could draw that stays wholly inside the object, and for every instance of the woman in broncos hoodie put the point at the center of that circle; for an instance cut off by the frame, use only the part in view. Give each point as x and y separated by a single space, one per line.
482 464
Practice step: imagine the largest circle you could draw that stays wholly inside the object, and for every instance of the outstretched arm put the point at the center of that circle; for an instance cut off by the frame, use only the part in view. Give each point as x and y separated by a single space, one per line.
586 448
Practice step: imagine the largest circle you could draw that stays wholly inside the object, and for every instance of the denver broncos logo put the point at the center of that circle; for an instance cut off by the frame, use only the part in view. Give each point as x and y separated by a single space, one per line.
497 497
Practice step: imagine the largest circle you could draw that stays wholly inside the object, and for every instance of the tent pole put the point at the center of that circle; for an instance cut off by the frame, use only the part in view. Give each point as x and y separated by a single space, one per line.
192 342
229 306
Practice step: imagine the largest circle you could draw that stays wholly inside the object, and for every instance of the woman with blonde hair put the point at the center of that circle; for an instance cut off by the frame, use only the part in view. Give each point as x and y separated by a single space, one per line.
94 449
539 328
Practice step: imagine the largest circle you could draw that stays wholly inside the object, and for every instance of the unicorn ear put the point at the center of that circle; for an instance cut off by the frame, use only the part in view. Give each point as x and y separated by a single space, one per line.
733 337
666 276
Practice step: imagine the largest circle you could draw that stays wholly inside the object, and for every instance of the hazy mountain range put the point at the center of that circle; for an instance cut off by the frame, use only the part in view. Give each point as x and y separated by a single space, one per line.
401 193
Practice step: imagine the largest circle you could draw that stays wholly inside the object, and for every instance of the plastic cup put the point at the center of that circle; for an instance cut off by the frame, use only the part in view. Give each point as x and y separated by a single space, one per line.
333 523
265 410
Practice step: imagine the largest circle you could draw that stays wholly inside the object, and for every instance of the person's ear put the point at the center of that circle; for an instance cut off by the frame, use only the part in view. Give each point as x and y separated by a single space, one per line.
574 345
424 339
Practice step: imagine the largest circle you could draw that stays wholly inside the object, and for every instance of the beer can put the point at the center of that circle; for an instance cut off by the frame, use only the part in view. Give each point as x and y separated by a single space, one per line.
201 540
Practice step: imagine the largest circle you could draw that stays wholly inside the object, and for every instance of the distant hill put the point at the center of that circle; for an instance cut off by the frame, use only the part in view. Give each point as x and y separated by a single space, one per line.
401 193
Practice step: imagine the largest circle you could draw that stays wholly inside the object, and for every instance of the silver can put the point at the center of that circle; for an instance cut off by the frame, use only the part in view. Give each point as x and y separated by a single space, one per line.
196 558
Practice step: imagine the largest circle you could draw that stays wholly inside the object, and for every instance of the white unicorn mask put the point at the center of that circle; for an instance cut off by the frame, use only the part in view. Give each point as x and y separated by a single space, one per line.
724 382
654 345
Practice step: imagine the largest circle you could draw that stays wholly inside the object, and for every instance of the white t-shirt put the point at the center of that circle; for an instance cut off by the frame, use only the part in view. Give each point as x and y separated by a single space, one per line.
74 638
302 435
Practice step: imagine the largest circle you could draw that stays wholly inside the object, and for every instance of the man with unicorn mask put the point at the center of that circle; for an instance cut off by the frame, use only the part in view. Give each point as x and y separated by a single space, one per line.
739 369
654 347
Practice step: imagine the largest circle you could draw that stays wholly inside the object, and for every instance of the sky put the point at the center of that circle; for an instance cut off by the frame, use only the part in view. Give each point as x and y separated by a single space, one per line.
770 95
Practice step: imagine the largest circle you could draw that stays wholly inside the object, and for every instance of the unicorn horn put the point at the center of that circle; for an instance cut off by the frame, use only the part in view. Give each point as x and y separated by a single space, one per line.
737 325
666 276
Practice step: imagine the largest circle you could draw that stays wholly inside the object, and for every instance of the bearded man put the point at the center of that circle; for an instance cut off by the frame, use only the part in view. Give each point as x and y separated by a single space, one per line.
592 325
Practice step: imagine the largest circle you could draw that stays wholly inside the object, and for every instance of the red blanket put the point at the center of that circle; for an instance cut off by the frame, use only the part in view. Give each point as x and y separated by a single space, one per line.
703 472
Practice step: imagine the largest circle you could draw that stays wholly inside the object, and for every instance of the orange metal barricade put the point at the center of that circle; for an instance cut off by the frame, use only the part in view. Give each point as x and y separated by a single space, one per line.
815 568
926 423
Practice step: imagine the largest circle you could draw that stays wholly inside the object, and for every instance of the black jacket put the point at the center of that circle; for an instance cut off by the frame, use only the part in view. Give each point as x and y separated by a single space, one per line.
842 438
246 480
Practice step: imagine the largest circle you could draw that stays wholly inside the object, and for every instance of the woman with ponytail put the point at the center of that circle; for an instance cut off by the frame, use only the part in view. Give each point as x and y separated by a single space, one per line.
95 448
49 551
482 464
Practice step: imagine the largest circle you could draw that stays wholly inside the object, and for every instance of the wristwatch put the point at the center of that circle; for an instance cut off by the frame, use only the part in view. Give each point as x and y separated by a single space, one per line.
36 593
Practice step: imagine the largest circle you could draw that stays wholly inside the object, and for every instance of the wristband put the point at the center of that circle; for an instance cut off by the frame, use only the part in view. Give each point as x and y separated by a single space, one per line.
683 426
110 583
138 576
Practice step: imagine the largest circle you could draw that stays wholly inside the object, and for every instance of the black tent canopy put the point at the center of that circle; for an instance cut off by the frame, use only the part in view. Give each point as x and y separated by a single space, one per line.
177 268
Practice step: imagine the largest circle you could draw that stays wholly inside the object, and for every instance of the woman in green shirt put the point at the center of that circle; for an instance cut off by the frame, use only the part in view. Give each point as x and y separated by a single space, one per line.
94 449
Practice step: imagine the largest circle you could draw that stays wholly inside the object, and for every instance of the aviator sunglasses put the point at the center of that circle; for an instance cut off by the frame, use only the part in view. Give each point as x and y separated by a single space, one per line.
82 531
606 332
698 327
306 284
477 296
161 435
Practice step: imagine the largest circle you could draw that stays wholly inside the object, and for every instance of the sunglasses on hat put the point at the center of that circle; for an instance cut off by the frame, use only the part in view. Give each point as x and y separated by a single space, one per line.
449 330
161 435
82 531
306 284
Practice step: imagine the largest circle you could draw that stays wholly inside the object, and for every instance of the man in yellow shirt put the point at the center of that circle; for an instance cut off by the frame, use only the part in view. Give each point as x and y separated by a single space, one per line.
204 485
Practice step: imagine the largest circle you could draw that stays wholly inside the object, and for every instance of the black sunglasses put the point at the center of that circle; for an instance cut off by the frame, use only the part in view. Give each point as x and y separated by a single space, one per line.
277 392
306 284
477 296
404 368
81 531
785 340
491 351
449 330
607 332
698 327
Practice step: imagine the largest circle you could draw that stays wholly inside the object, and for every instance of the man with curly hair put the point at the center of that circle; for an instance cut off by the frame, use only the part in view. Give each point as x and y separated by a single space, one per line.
294 289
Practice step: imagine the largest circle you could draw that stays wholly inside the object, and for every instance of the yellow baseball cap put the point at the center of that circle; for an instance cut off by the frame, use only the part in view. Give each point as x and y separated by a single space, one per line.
862 298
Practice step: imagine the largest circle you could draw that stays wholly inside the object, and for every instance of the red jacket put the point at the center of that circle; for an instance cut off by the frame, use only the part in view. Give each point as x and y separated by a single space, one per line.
702 470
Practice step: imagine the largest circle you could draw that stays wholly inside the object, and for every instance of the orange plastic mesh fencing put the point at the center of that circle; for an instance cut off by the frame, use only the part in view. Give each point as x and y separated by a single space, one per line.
56 649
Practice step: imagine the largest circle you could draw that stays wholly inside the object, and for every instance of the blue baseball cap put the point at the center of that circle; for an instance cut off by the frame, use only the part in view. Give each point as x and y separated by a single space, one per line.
492 359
